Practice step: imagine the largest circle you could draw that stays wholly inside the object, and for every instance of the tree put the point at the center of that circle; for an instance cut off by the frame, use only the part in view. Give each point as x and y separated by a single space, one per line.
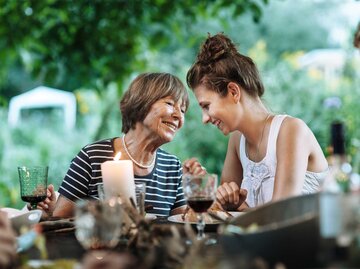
72 44
284 29
77 43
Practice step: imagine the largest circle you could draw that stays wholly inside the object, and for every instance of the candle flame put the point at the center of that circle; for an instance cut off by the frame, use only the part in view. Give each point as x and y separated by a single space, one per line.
117 156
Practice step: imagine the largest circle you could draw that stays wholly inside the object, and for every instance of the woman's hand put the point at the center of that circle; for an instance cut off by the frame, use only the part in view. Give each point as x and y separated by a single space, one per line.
193 166
7 242
230 196
48 205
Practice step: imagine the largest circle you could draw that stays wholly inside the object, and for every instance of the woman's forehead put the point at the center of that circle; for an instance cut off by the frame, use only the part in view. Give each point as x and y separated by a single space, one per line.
177 99
202 89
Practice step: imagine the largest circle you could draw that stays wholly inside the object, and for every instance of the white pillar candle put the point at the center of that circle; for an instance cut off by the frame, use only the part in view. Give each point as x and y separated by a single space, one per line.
118 178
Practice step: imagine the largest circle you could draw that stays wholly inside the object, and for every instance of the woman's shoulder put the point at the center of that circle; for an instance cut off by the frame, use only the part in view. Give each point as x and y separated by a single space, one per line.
164 155
293 123
104 145
295 128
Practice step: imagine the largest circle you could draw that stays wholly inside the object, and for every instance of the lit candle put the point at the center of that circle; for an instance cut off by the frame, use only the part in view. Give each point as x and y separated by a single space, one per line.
118 178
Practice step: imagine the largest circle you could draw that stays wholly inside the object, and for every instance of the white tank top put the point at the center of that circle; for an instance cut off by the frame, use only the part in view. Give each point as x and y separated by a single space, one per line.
258 178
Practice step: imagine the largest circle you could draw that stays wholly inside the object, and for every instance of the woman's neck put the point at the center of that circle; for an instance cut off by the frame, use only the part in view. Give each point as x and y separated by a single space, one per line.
251 124
137 148
141 143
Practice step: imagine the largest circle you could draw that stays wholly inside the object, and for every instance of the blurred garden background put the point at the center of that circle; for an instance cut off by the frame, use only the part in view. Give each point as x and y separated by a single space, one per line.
94 48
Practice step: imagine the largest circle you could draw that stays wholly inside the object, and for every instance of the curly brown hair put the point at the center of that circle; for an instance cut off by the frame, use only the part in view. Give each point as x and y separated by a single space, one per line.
144 91
219 62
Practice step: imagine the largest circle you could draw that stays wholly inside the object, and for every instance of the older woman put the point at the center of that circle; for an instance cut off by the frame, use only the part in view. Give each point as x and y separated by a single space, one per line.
269 157
153 110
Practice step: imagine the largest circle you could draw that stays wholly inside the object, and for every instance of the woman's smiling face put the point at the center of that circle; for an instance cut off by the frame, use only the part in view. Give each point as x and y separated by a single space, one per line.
165 118
215 108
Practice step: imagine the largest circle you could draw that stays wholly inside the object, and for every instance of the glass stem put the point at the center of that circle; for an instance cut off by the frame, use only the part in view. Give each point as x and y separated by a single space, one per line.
33 206
200 226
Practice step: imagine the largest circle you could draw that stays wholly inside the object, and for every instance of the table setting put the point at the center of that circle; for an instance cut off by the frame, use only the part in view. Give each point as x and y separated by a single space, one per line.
295 240
291 233
118 223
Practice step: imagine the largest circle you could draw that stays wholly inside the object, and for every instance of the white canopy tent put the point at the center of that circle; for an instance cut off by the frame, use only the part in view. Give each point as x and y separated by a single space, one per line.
43 97
329 62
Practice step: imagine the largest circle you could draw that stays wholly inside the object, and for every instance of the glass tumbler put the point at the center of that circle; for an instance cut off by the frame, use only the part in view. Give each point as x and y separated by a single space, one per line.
98 223
33 184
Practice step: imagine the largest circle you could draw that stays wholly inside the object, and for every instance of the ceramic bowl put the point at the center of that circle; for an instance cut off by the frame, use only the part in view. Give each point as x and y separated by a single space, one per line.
20 218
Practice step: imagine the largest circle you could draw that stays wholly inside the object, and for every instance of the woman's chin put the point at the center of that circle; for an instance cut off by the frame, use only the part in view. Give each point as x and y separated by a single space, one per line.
168 137
224 131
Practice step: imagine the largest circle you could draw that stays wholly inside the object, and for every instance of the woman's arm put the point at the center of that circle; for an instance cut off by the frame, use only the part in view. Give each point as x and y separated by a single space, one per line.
64 208
178 210
48 205
193 166
297 150
229 194
75 185
232 170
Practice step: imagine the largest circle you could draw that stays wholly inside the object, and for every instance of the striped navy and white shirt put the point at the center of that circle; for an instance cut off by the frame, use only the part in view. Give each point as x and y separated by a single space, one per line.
163 185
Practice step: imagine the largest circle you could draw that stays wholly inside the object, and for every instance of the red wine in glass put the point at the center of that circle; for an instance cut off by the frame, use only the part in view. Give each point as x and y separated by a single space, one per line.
33 184
200 193
33 199
200 204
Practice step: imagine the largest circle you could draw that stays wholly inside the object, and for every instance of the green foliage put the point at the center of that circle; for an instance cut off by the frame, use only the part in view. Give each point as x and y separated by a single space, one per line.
73 44
35 143
76 44
284 26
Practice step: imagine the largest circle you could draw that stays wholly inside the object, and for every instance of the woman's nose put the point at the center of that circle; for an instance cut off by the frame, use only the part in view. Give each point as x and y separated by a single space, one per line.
205 118
177 112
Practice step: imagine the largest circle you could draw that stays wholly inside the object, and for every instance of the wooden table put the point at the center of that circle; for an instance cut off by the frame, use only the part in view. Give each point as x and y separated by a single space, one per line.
64 245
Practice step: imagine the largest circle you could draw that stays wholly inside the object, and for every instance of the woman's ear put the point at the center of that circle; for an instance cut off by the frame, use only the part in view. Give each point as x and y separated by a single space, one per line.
234 91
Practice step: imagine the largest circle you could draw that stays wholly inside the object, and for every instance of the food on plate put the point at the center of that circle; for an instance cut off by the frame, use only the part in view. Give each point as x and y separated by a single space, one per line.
190 215
235 229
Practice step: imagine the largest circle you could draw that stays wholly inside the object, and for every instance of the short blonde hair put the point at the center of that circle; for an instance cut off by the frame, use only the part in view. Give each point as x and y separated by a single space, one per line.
144 91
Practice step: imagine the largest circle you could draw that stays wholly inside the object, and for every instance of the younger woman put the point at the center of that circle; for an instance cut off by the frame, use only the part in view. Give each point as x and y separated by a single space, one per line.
269 156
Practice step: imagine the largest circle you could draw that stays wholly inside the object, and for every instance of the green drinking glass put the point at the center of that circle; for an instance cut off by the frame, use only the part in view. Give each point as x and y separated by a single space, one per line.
33 184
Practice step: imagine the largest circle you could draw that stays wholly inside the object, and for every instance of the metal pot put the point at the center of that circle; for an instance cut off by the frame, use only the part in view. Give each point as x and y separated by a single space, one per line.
286 231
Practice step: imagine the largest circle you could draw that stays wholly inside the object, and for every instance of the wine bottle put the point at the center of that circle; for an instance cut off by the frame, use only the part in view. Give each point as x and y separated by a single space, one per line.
338 179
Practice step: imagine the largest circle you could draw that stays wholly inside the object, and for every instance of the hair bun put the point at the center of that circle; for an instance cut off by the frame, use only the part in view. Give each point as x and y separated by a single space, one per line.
215 48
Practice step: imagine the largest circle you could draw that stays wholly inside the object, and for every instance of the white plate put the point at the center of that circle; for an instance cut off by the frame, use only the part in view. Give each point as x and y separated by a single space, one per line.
39 263
53 264
178 218
21 218
150 216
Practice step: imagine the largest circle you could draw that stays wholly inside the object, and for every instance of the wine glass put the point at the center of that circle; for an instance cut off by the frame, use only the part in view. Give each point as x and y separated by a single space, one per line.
98 224
200 193
33 184
140 192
